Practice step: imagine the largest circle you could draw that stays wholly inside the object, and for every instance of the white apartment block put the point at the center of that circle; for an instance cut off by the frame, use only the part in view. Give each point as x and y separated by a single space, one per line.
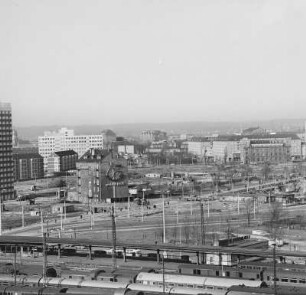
199 148
66 140
225 150
296 147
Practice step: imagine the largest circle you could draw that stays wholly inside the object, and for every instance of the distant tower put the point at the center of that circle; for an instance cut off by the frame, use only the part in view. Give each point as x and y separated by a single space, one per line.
6 153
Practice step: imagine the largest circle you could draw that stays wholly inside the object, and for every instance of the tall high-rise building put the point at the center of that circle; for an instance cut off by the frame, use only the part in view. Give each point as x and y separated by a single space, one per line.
6 153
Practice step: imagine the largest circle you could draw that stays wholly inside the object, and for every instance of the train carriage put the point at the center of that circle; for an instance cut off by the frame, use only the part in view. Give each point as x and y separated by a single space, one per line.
200 282
220 271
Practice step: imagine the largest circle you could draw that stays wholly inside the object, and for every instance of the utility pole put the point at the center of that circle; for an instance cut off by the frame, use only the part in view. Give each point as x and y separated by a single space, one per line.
61 220
238 205
164 221
142 207
45 258
22 216
114 240
114 197
15 271
274 268
177 213
65 214
129 205
202 230
202 224
42 222
164 287
254 208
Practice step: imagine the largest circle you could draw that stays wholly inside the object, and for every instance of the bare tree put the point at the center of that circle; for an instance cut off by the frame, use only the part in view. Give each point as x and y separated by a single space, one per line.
174 233
275 217
195 231
266 171
186 230
249 207
286 171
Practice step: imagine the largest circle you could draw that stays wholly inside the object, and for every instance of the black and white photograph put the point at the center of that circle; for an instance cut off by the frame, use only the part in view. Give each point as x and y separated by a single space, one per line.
153 147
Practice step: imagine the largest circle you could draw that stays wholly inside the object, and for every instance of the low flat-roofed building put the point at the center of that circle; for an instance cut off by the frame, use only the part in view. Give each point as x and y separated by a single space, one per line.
62 208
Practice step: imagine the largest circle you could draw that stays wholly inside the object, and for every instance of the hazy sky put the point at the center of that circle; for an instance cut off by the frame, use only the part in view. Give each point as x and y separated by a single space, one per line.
110 61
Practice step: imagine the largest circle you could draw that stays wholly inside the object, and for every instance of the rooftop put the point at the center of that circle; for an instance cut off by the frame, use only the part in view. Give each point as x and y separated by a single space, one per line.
66 153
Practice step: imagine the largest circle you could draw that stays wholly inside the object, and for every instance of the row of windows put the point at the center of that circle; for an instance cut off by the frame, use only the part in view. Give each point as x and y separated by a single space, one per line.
7 175
286 280
181 285
6 159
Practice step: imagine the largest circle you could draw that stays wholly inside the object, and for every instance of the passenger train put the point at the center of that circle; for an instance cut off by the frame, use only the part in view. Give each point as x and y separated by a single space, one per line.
286 274
146 283
34 286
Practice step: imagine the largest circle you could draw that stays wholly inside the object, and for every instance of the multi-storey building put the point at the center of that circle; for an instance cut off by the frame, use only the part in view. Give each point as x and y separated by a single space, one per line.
257 146
109 137
6 154
66 140
226 149
28 164
62 161
102 177
199 146
265 150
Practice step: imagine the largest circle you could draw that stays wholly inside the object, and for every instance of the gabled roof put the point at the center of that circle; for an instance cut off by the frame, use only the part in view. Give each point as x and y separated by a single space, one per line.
93 155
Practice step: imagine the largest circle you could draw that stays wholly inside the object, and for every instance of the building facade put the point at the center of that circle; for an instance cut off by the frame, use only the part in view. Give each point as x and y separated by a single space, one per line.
102 177
27 165
62 161
109 137
257 151
226 149
126 149
6 153
257 147
64 140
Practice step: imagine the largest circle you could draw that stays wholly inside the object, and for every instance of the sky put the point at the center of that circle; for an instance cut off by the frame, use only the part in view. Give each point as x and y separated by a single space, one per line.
80 62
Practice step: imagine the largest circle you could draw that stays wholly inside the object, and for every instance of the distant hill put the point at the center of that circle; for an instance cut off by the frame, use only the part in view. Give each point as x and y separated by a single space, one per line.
197 128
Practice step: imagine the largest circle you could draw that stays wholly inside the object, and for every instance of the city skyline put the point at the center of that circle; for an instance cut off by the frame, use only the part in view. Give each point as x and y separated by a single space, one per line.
113 62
